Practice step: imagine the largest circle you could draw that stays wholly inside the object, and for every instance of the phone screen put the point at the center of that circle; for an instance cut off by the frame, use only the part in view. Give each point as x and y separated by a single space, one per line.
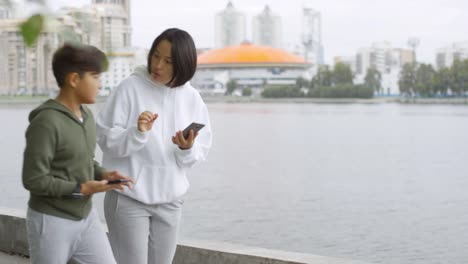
194 126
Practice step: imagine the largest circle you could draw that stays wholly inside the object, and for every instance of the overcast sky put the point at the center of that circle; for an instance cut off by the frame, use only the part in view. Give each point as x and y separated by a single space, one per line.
347 25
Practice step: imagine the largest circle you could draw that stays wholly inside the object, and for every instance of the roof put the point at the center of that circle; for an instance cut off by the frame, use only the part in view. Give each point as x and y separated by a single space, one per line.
248 54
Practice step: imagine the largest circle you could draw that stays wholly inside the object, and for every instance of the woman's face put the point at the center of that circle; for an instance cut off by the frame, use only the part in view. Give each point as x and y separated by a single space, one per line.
161 63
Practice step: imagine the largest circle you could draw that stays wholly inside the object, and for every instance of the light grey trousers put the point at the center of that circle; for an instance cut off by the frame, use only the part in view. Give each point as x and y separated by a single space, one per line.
56 240
140 233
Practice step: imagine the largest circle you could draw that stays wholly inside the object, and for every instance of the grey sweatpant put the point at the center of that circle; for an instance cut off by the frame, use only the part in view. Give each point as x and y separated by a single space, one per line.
56 240
140 233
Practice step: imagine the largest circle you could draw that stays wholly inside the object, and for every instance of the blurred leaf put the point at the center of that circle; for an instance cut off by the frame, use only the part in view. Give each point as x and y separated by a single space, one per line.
31 28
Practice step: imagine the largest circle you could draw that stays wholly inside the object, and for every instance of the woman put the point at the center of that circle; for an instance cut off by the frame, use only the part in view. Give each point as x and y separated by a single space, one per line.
139 132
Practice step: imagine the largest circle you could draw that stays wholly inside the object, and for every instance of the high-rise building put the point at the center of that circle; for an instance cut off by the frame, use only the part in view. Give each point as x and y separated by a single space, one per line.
123 3
230 27
26 70
266 29
84 24
115 23
446 56
312 36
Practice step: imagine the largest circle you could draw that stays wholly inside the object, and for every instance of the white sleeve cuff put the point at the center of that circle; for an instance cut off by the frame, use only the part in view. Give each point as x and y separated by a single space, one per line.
184 152
141 136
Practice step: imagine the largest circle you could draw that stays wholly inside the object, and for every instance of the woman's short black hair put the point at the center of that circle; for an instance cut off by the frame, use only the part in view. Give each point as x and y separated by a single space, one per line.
183 55
77 58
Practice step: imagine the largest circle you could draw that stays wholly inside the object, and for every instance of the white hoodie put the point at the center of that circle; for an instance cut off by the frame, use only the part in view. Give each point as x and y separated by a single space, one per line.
157 165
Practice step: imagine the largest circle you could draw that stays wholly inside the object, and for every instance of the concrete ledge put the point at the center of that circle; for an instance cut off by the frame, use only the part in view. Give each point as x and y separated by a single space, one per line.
13 237
13 240
206 252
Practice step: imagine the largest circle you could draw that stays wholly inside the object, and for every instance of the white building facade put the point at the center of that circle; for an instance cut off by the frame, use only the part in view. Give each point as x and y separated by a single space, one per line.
122 63
387 60
446 56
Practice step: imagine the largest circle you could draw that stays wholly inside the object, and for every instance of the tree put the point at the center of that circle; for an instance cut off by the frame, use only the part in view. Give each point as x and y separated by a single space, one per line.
301 82
425 75
373 79
231 86
407 80
442 81
459 73
322 78
247 91
342 74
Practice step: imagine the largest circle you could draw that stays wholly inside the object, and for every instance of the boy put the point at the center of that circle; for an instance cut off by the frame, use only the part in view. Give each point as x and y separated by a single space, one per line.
59 168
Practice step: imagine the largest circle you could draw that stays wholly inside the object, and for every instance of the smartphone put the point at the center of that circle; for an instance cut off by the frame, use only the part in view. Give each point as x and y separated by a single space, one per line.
118 181
194 126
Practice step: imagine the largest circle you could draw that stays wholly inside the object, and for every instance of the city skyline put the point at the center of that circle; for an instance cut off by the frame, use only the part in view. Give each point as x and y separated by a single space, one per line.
347 27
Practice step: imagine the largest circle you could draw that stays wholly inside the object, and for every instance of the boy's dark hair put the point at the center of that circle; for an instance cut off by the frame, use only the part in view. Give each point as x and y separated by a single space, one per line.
77 58
183 54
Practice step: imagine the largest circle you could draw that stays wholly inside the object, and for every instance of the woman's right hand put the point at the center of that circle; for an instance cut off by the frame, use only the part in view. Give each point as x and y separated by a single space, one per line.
92 187
146 121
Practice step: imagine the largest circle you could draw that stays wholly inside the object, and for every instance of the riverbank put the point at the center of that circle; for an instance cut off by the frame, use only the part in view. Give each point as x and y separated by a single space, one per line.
34 100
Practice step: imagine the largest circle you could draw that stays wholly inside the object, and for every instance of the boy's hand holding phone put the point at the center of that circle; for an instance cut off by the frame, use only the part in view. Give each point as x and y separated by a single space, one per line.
110 180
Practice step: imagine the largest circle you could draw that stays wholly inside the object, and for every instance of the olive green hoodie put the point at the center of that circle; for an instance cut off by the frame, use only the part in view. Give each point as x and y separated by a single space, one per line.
59 154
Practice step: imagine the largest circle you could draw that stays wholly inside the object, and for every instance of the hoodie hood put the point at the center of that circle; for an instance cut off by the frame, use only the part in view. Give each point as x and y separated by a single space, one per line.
142 72
54 105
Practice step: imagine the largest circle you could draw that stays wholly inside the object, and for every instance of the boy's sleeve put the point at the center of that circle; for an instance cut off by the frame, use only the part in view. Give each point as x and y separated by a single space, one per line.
38 155
98 171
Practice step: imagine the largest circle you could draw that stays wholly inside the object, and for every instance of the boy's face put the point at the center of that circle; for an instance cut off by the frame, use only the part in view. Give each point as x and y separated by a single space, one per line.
87 87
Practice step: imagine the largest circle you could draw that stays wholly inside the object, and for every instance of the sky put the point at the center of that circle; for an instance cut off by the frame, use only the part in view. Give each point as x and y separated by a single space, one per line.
347 25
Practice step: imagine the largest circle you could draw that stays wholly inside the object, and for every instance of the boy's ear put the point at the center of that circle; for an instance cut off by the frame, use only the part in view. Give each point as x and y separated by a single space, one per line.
73 79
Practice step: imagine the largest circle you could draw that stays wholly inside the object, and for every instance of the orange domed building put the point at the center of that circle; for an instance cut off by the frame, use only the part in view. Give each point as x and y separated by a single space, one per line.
249 65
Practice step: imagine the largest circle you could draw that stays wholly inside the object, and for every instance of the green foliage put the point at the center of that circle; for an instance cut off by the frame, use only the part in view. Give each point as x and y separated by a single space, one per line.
342 91
459 73
342 74
322 78
407 81
282 91
442 81
423 80
425 75
373 79
31 29
247 91
231 86
301 82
